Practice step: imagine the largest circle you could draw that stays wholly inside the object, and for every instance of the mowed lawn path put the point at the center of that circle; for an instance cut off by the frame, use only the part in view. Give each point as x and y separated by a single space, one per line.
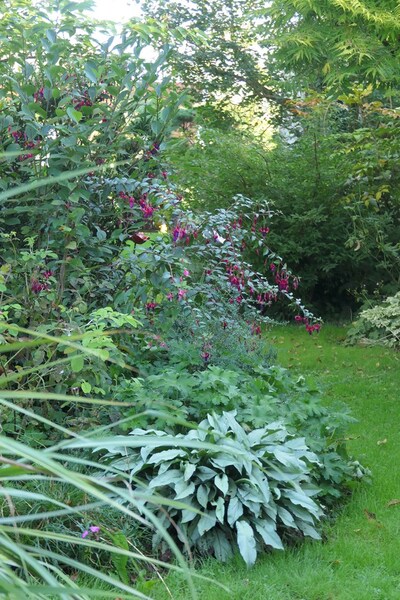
360 559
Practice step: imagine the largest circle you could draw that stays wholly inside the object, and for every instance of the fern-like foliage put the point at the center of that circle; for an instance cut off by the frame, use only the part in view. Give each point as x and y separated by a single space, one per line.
341 40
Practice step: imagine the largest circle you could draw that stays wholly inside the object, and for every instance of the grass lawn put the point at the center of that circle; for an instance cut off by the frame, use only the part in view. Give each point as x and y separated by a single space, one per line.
360 559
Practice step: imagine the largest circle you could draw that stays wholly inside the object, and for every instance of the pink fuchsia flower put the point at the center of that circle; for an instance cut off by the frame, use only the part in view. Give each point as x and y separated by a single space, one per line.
298 318
181 294
47 274
186 273
170 296
148 211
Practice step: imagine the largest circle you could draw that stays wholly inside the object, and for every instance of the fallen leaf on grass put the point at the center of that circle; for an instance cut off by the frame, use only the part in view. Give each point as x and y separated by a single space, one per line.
357 530
393 502
380 442
370 515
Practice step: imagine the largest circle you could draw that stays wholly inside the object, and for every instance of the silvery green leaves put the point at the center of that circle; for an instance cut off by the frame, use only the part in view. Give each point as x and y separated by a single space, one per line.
232 489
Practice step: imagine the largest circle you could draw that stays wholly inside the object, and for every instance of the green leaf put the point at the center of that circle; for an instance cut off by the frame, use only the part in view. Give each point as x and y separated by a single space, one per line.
220 509
246 542
86 387
235 510
222 548
73 114
202 495
221 482
165 455
206 522
167 478
71 245
189 470
90 72
120 562
77 363
183 490
267 530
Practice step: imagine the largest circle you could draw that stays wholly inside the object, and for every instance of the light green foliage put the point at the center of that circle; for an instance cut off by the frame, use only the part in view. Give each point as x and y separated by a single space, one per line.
337 41
379 324
214 165
246 491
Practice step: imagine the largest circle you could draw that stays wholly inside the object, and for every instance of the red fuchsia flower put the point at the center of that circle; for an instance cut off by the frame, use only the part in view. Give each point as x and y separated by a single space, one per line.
235 282
224 324
47 274
37 286
131 202
180 233
205 356
239 299
256 329
282 281
164 174
272 267
298 318
17 135
39 94
151 306
311 328
264 231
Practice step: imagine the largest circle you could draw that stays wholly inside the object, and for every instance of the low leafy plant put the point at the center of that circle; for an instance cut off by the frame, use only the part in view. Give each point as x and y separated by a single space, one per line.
378 325
247 490
259 395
